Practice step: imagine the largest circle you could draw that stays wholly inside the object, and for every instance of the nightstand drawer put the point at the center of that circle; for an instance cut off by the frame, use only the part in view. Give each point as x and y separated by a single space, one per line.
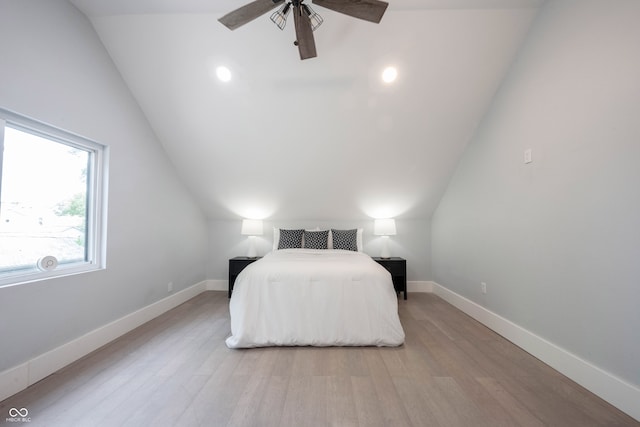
396 268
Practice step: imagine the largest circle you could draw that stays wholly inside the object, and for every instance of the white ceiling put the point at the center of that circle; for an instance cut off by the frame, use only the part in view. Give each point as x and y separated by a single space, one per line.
322 138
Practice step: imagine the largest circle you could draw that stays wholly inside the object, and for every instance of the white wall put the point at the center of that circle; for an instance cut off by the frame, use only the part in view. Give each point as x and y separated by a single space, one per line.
413 242
557 241
53 68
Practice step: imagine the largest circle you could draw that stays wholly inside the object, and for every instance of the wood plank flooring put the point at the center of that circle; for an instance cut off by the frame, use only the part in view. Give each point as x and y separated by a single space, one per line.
177 371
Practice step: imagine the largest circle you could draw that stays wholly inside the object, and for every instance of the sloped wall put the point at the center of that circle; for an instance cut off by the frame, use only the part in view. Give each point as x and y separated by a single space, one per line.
557 241
53 68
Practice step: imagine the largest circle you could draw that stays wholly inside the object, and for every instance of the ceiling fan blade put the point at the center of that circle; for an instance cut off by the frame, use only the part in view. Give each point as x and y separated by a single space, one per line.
304 34
369 10
248 13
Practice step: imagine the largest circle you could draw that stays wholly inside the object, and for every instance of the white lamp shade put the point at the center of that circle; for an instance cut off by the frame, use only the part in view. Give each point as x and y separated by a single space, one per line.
384 227
251 227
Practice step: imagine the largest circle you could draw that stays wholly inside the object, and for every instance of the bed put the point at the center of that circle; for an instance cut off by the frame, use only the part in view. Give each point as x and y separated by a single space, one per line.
314 297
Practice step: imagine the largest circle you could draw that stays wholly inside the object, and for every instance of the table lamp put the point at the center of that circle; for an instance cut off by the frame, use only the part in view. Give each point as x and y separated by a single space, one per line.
385 228
251 228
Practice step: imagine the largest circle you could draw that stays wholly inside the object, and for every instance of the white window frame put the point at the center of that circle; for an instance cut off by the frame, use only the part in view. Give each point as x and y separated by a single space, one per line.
96 197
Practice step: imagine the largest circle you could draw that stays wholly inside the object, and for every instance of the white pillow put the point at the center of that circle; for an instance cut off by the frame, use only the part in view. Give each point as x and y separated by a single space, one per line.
276 238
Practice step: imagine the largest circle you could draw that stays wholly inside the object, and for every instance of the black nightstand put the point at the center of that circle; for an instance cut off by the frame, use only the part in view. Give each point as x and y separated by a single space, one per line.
398 268
236 265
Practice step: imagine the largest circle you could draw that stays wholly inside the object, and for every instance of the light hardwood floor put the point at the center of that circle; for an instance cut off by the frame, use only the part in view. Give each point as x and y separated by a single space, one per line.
177 371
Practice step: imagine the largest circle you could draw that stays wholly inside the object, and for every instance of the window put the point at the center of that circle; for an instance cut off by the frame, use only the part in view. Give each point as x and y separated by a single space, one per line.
52 201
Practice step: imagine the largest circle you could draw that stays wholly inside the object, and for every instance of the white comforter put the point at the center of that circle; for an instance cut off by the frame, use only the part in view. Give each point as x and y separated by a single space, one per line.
299 297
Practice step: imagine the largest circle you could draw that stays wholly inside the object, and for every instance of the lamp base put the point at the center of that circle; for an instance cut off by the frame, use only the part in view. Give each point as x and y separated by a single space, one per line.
251 253
384 253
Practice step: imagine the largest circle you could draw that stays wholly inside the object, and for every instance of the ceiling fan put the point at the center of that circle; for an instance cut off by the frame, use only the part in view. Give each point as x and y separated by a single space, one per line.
305 19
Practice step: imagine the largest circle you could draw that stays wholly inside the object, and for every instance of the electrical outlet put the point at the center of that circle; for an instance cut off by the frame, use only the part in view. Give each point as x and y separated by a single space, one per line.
170 287
483 287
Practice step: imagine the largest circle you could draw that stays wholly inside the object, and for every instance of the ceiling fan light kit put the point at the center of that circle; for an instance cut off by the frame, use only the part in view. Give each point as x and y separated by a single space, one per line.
306 19
316 19
280 17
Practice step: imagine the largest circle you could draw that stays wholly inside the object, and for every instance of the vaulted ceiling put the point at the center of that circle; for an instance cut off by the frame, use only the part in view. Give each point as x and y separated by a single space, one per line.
323 138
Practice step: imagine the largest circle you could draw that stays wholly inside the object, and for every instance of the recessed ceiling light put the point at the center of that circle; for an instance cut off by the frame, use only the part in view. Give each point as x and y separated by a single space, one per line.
389 74
223 73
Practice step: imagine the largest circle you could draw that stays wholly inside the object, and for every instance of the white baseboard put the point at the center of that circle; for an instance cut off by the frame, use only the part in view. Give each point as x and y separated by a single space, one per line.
419 286
614 390
22 376
14 380
217 285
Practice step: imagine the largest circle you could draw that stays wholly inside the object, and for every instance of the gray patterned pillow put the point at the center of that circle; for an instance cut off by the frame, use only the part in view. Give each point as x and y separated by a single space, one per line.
345 239
290 239
316 239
